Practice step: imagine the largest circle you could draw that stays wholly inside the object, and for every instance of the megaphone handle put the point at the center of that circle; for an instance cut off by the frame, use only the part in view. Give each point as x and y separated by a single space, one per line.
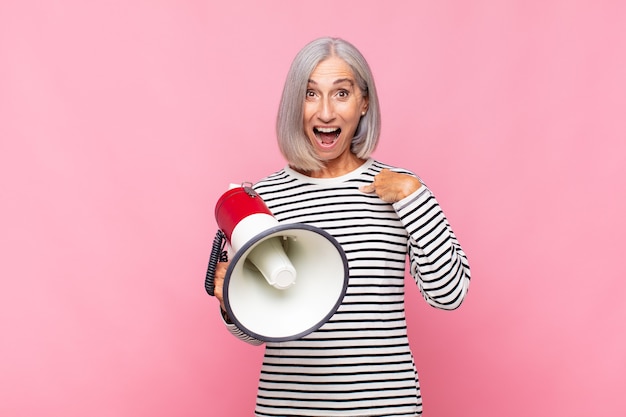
218 254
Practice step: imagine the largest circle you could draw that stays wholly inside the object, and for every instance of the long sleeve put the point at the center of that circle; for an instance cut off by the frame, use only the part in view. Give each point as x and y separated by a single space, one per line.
437 261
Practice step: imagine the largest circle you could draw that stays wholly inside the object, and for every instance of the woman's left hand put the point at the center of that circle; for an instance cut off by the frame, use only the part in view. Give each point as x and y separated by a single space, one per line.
392 186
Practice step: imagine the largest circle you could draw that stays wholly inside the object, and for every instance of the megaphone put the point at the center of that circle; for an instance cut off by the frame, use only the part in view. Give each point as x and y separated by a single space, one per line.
284 280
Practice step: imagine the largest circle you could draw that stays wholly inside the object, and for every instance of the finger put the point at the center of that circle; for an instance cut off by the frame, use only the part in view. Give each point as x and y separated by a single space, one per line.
368 189
219 294
220 273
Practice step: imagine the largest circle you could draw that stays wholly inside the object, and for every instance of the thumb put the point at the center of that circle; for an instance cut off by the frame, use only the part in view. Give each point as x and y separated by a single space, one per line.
369 188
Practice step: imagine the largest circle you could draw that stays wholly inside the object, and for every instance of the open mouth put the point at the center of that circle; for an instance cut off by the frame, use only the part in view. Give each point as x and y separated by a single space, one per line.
327 135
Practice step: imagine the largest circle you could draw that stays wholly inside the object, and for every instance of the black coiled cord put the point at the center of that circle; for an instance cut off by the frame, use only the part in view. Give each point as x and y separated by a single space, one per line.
218 254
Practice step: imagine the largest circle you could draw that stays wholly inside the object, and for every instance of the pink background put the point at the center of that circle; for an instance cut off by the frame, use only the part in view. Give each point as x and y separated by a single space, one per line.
122 122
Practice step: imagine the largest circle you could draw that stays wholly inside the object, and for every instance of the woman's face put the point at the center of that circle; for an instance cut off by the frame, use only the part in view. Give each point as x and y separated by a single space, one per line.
333 106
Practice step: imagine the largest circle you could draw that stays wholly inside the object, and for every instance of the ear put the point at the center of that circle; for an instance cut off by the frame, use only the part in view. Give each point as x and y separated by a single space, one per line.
366 104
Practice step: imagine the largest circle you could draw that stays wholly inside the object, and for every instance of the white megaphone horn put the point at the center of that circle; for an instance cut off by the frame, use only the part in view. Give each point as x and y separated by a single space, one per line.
284 281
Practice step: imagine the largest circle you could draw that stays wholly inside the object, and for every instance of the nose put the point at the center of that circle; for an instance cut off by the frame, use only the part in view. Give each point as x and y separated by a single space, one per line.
326 110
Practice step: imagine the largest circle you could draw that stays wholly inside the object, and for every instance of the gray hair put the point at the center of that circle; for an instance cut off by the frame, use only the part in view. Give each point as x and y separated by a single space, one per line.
292 140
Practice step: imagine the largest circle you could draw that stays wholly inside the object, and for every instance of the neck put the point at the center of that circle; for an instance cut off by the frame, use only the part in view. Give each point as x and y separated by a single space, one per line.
334 169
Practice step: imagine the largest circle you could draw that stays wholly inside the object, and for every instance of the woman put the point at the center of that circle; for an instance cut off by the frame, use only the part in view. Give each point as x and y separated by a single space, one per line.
359 363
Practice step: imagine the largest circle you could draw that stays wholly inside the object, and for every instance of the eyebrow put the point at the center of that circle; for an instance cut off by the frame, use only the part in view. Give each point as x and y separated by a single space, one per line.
338 81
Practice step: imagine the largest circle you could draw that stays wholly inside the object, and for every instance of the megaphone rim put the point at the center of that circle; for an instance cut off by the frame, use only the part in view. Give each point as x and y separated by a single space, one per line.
275 230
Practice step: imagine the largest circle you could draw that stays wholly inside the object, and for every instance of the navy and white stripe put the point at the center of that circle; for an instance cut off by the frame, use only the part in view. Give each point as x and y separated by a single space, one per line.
359 363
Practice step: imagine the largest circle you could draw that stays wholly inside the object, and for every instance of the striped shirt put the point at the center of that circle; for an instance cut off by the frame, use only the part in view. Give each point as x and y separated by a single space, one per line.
359 363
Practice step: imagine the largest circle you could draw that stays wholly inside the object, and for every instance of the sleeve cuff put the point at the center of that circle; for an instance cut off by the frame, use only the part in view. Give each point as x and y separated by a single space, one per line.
411 198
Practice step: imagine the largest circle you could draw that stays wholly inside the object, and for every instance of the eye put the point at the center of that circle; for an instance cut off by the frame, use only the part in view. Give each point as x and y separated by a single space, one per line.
310 94
343 93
